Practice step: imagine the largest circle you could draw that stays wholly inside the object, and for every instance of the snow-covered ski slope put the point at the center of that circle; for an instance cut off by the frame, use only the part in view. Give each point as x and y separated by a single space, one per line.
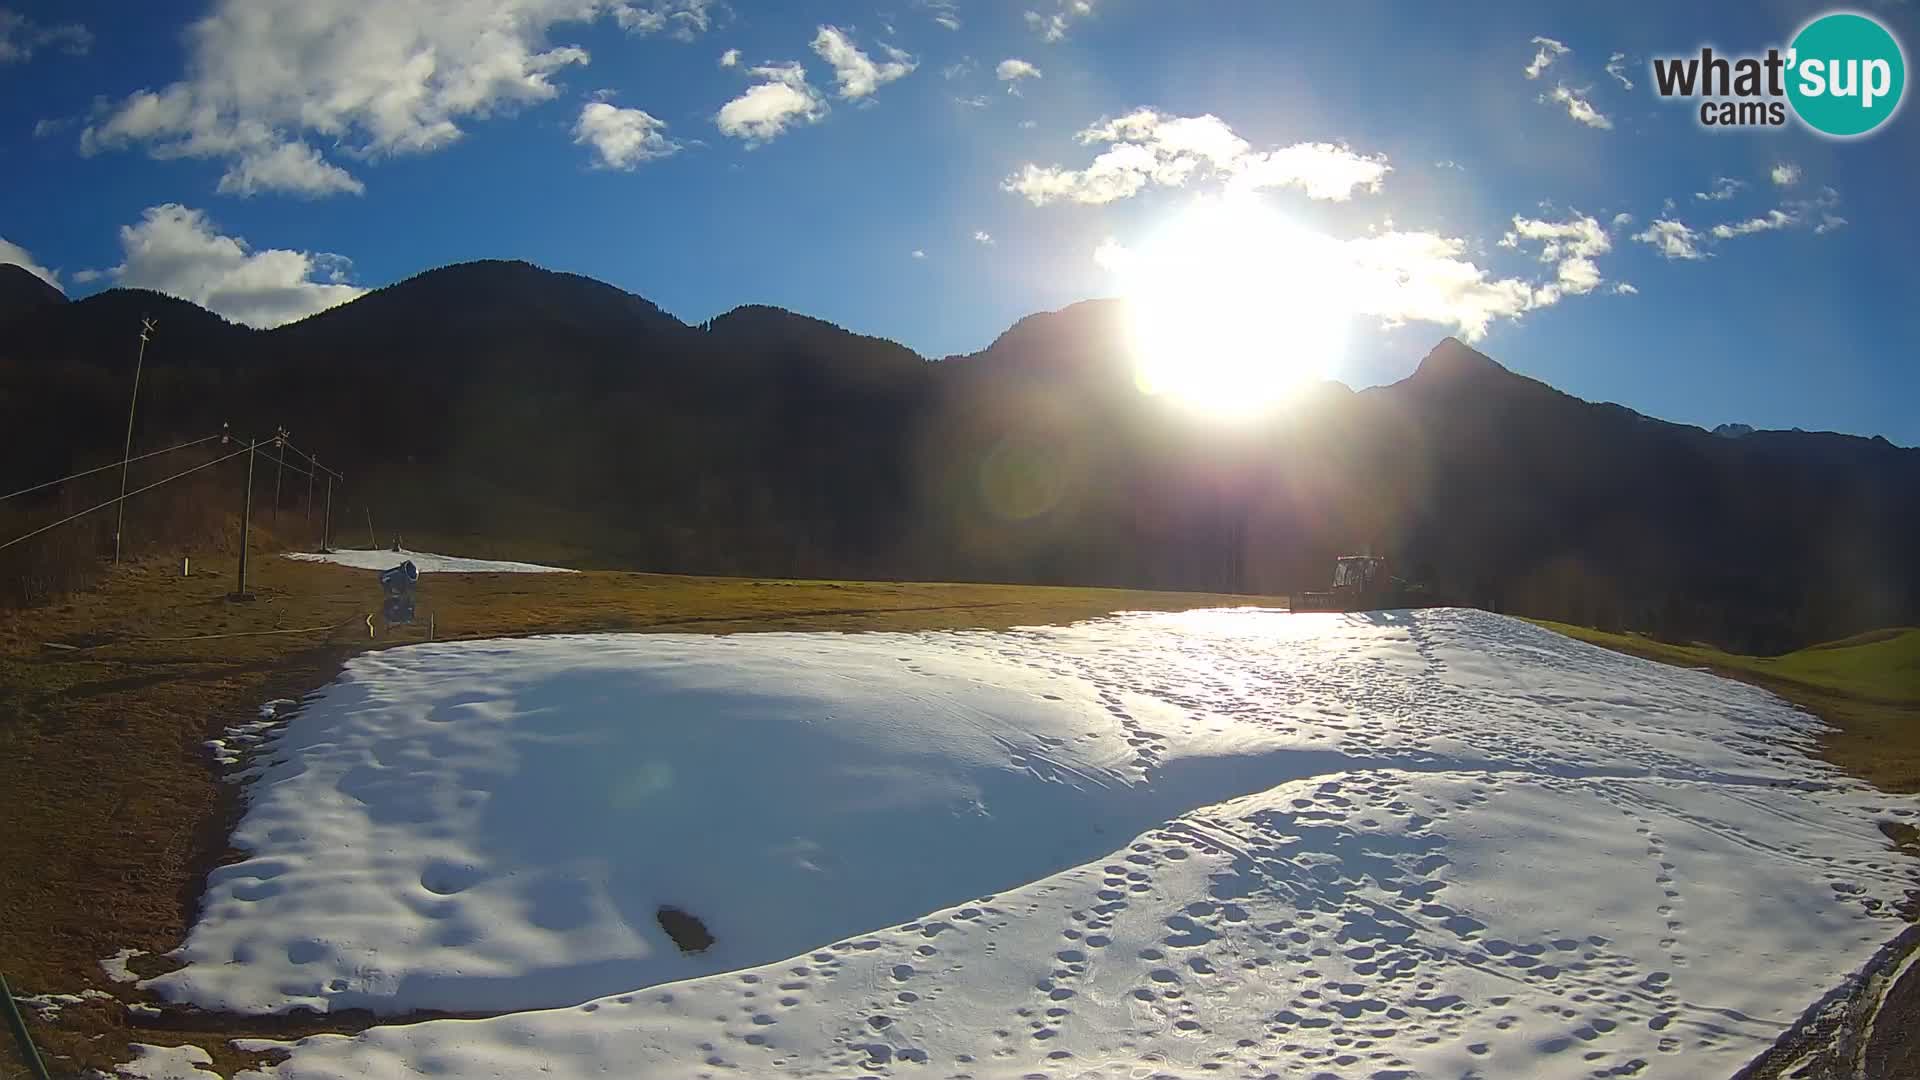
1239 843
424 561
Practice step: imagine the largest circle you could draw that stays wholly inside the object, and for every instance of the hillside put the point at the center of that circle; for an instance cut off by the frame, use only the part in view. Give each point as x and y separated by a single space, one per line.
500 401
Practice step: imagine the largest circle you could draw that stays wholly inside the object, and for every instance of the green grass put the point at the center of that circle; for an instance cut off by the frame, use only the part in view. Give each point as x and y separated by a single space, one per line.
1866 687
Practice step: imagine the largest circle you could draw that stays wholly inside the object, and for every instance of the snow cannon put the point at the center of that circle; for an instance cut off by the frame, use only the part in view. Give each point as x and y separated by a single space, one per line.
400 579
397 586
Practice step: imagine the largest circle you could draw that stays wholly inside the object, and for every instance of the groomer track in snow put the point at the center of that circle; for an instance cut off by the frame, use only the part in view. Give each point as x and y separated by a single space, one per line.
1237 843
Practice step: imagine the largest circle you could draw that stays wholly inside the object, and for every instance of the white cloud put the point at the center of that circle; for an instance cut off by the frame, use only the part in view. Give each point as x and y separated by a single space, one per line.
682 19
1543 57
1053 27
1578 107
945 12
854 70
292 167
622 138
19 256
977 101
177 251
730 58
1029 125
21 37
363 80
1772 219
1012 69
1617 67
1622 220
1622 288
965 65
87 277
981 237
1146 147
1322 170
1672 239
1724 188
918 254
1828 223
1785 174
780 100
1572 245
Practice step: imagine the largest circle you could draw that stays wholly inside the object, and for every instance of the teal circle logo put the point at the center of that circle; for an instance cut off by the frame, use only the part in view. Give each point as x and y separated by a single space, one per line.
1846 74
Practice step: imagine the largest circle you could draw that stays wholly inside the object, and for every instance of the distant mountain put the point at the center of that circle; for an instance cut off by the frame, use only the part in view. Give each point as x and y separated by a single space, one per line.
502 400
22 291
1733 431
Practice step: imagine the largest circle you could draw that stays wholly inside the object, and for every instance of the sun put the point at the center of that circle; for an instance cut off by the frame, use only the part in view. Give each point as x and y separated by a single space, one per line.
1232 308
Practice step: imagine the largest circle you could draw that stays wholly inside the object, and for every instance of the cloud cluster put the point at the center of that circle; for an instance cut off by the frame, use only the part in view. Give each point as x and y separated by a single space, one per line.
14 254
1724 188
622 138
1571 245
177 251
683 20
1013 70
1578 106
1549 50
21 37
1672 239
1052 26
1617 67
1146 148
946 13
270 80
856 72
780 99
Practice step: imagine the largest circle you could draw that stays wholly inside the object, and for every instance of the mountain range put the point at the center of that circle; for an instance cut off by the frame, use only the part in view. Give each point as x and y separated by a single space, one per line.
502 400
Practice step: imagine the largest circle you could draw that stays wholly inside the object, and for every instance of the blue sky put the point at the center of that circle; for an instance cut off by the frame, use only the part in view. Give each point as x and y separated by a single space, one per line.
270 157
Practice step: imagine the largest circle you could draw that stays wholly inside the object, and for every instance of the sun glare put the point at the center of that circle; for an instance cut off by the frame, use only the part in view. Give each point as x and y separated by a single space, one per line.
1230 311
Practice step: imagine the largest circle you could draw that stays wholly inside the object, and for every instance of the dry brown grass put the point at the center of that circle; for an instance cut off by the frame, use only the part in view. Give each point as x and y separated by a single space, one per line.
116 814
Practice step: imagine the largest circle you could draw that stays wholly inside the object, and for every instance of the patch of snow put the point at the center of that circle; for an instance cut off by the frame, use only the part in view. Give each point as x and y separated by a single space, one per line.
168 1063
48 1006
1435 843
425 562
116 965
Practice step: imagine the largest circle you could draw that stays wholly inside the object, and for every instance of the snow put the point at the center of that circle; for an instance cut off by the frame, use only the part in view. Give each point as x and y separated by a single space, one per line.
1437 843
426 562
116 965
168 1063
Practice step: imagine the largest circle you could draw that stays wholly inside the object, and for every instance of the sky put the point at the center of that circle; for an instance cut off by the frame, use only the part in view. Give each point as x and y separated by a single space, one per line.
933 170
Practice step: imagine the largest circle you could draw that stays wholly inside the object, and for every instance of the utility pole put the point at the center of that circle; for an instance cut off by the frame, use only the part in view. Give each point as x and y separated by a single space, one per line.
126 450
313 467
279 466
246 518
326 519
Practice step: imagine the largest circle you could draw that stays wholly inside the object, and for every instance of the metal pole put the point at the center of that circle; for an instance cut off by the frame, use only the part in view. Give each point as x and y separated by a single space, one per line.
21 1038
126 451
326 519
279 466
372 544
315 462
246 517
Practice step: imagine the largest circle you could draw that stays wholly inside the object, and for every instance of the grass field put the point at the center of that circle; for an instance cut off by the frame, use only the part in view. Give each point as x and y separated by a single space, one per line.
107 699
1867 687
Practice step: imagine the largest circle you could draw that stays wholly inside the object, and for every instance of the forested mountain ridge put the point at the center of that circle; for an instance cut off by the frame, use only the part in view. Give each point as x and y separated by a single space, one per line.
502 399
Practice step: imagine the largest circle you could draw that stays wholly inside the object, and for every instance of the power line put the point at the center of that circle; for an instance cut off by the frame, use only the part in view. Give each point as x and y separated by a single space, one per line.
128 495
109 465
